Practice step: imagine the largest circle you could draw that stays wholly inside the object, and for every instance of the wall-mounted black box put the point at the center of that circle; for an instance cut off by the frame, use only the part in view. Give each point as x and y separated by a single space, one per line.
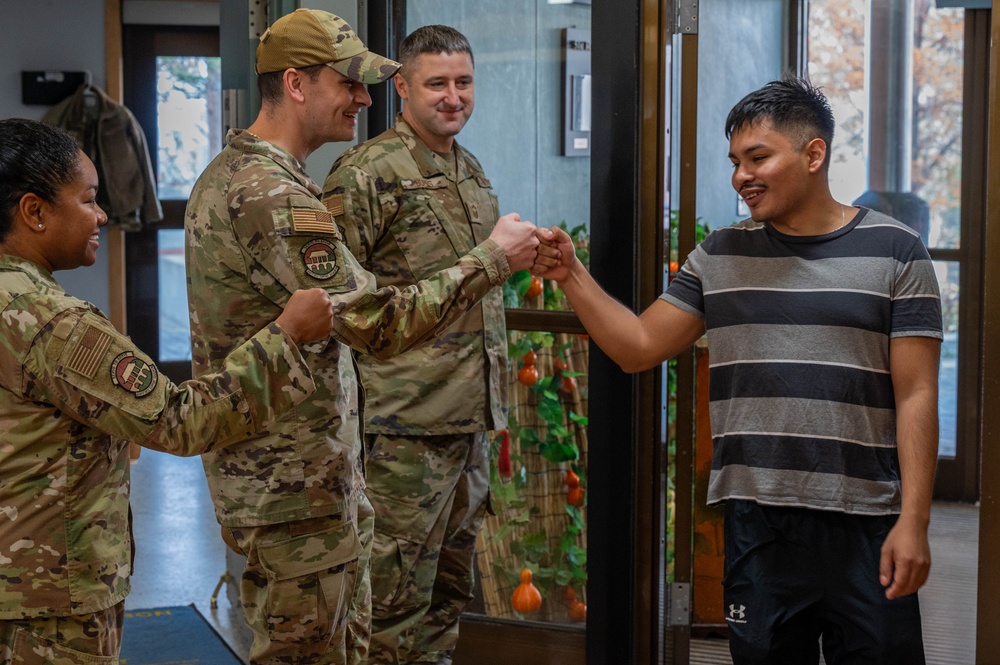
50 87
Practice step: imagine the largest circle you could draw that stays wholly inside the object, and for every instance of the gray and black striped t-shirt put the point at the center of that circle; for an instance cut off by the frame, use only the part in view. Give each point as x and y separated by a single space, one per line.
802 405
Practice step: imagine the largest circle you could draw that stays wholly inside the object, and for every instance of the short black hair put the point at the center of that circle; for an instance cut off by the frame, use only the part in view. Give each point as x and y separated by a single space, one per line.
792 106
35 158
432 39
271 85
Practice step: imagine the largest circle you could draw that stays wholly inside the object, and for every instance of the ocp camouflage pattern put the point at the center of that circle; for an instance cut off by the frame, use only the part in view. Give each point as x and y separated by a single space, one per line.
256 231
409 213
73 394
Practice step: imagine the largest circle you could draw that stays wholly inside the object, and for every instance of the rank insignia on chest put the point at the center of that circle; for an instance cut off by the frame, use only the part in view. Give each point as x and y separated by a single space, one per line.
309 220
319 257
133 374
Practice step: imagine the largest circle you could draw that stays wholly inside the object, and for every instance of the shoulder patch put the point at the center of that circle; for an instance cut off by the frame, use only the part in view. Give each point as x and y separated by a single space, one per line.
334 204
310 220
87 356
133 374
319 256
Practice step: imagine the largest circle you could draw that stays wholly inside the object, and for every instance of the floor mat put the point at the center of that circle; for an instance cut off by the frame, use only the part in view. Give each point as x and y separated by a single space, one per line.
172 636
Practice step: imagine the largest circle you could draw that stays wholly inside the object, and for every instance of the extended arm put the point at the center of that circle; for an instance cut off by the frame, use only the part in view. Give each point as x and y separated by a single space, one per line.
89 371
636 343
906 559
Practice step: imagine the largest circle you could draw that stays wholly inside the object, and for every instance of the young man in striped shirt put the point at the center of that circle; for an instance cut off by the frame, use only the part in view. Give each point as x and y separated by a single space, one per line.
824 328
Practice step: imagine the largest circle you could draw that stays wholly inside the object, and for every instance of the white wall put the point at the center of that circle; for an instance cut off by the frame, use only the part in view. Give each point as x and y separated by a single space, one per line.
55 35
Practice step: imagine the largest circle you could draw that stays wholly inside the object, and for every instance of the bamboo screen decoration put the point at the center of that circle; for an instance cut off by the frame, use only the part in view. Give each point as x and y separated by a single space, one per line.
533 526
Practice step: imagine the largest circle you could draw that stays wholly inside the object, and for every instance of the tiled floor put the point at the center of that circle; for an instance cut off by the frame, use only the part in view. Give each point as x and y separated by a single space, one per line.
180 555
180 558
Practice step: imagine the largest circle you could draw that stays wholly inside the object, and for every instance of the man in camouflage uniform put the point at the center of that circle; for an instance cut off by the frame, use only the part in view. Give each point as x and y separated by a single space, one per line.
416 200
73 394
291 499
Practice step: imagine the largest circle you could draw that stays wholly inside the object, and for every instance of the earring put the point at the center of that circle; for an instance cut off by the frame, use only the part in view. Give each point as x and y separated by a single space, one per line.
40 225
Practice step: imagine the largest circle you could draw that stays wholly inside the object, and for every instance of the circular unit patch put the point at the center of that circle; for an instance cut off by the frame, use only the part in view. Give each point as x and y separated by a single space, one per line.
133 374
319 257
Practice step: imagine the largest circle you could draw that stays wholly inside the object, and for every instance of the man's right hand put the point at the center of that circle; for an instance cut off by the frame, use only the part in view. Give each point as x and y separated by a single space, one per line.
561 243
518 241
308 316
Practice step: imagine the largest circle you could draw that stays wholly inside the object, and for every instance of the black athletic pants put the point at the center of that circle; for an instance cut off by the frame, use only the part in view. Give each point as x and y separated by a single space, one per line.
796 578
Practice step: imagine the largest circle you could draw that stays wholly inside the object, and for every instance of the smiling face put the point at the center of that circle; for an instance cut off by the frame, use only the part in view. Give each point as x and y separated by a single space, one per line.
334 101
773 173
438 95
73 222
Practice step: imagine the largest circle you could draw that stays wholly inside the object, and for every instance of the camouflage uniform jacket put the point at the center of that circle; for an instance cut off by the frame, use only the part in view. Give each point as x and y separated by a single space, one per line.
73 393
409 214
256 231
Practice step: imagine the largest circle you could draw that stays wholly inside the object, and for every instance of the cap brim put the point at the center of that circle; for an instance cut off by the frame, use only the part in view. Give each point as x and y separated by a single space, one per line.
367 68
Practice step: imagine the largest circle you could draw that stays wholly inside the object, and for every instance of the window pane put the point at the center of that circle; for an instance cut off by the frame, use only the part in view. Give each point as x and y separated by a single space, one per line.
939 42
947 274
175 330
837 62
189 120
837 65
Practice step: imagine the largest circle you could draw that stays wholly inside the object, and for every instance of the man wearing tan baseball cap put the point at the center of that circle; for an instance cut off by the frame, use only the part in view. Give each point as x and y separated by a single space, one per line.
291 497
311 37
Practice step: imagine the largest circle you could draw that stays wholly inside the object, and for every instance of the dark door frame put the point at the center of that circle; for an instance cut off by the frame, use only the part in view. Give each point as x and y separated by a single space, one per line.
141 45
958 477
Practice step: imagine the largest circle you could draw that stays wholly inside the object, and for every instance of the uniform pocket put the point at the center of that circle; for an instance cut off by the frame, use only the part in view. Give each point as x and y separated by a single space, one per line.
311 580
401 529
31 649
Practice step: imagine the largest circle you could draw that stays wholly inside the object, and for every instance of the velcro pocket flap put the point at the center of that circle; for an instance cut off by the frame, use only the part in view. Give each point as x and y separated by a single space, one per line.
310 553
402 519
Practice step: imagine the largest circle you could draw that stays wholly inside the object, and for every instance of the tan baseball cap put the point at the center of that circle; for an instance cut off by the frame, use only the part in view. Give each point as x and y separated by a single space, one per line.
308 37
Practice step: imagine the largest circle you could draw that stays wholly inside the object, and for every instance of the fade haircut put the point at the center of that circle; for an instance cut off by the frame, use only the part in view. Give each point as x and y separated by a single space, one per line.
792 106
34 158
272 86
432 39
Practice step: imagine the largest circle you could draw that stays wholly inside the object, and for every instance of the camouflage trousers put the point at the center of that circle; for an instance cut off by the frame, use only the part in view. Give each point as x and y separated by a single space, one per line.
305 590
430 496
94 639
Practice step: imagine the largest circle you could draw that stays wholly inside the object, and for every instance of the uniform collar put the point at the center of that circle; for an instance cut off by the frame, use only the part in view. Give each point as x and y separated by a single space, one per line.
35 272
429 162
244 141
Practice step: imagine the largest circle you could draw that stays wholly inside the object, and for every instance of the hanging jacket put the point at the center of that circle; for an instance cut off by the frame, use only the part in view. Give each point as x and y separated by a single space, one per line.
111 136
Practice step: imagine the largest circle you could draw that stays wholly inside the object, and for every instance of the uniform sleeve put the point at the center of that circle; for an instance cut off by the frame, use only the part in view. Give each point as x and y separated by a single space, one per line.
352 197
296 239
82 365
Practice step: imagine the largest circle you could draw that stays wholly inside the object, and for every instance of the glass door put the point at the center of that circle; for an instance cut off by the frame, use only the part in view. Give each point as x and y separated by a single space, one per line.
561 109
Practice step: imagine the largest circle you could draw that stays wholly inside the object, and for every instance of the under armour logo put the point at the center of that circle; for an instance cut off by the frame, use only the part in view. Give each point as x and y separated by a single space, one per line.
737 614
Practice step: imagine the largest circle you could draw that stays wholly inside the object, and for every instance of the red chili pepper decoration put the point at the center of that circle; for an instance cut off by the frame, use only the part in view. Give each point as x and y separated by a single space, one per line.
503 459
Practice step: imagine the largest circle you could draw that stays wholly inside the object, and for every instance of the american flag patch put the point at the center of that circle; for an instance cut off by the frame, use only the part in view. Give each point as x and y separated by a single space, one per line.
309 220
92 347
335 204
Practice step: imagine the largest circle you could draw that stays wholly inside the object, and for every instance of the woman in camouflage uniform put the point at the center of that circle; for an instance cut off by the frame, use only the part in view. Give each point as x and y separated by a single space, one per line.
73 394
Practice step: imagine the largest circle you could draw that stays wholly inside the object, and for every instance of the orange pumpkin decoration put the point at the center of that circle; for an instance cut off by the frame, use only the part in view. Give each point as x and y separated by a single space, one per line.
534 288
578 611
526 598
575 496
530 358
568 384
